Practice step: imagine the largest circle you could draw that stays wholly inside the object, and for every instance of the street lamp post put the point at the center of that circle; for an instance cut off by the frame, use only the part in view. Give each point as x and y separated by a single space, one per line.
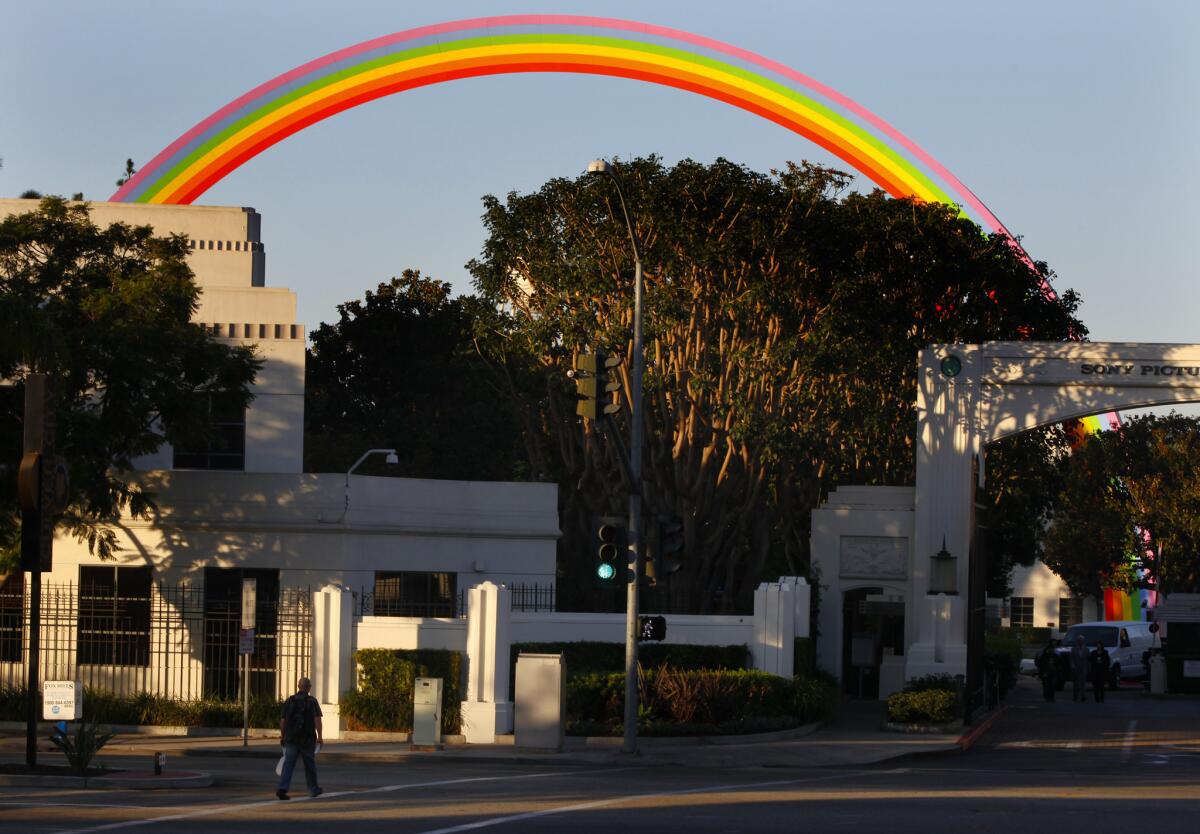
600 166
391 459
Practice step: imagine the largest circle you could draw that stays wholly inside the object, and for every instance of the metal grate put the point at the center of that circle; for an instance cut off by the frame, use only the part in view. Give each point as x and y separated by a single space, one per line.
172 643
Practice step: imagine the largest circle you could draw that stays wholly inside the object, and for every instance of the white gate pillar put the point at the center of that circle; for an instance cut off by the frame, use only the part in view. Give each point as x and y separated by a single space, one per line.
487 712
333 649
773 650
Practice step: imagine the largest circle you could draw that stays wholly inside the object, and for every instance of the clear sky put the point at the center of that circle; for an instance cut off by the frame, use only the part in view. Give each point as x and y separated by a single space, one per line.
1077 123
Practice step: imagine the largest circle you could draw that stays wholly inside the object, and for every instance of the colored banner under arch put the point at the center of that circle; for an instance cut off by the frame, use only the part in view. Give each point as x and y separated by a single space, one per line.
427 55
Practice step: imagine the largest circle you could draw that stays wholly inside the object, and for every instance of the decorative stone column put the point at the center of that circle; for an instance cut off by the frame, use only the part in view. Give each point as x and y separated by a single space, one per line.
487 712
333 649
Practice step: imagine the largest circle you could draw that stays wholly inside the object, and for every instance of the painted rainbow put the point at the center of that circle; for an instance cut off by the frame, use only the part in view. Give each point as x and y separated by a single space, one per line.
429 55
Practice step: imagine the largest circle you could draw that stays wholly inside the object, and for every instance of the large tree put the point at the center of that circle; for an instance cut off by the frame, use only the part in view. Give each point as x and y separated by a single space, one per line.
783 321
106 313
1130 499
399 369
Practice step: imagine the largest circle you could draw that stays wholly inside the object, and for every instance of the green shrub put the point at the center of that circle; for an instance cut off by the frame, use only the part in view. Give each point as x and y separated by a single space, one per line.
944 683
585 657
1002 655
384 697
81 746
144 709
933 705
709 702
13 703
804 656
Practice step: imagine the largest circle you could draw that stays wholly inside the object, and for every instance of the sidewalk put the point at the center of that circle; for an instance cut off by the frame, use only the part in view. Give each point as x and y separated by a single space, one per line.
855 738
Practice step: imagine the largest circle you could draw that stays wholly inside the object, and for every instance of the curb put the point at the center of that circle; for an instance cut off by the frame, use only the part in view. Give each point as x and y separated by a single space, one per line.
178 780
591 746
967 739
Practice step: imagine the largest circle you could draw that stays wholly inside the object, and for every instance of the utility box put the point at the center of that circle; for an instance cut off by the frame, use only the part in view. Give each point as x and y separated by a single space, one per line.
1158 675
539 708
427 711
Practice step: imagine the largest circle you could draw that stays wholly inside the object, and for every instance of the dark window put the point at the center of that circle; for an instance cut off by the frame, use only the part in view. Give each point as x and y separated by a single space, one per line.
1021 611
114 616
1070 611
227 450
414 594
12 618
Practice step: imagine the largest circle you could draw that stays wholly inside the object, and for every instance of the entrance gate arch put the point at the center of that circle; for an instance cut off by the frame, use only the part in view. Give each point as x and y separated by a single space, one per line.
971 395
967 397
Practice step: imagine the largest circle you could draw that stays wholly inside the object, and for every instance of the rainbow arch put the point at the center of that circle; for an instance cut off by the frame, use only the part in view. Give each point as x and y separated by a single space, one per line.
312 92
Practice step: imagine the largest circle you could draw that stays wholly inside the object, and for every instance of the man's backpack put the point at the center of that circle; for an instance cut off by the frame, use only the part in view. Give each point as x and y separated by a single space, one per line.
298 726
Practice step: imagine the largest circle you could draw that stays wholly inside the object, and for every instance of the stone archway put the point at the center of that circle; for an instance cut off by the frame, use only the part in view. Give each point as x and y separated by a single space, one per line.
971 395
967 397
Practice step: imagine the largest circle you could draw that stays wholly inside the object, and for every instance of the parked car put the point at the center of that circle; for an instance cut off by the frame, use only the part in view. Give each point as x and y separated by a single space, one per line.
1125 640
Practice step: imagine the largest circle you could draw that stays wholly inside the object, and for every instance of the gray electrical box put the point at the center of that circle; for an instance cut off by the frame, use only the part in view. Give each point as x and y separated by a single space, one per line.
538 711
427 711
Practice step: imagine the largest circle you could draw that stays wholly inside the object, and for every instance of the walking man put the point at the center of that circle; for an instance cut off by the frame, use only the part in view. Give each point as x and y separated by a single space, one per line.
1080 661
1100 671
300 733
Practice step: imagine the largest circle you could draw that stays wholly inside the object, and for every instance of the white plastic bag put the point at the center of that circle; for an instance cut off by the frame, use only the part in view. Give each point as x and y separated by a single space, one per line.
279 767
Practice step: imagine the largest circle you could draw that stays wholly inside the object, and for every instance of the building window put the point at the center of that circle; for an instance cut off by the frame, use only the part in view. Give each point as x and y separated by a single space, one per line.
1070 611
12 618
415 594
114 616
227 449
1021 611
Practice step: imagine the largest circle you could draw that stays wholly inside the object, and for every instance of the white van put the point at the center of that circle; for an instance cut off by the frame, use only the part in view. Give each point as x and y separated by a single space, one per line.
1124 640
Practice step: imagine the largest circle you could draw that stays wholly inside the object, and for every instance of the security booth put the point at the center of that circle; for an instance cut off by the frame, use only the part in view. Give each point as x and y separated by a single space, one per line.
1179 614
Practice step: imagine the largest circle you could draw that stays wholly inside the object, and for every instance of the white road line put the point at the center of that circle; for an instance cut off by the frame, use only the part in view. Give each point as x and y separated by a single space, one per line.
1074 745
600 803
55 804
275 803
1127 747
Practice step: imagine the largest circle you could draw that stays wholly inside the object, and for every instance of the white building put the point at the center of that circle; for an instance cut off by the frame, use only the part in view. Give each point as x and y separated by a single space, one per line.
247 510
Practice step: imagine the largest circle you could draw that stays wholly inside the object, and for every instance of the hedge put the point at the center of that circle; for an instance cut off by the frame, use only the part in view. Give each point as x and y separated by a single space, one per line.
1002 655
933 705
586 657
144 709
697 702
384 698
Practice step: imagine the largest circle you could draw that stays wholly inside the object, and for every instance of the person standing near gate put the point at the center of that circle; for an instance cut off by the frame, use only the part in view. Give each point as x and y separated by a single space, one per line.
1100 671
1079 669
300 735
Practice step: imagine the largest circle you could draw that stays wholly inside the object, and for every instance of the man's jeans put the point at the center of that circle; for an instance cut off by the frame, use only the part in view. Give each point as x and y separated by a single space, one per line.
305 753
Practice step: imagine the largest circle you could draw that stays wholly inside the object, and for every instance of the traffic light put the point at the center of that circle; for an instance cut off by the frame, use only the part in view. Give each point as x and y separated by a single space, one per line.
663 548
610 543
592 384
653 627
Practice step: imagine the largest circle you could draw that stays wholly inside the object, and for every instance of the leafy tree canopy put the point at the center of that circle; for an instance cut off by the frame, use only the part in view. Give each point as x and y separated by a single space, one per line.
106 313
1118 486
783 320
399 370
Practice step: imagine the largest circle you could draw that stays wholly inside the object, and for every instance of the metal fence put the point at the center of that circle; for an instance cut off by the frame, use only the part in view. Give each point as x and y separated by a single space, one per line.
380 602
173 641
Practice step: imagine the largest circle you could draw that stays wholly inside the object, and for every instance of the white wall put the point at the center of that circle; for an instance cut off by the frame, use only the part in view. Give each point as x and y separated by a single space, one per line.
1047 588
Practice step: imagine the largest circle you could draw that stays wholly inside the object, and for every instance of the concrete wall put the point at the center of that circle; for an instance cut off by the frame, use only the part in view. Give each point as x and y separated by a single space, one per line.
300 524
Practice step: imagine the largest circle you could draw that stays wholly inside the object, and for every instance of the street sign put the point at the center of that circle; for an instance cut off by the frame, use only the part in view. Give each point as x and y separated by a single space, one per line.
246 641
61 701
249 601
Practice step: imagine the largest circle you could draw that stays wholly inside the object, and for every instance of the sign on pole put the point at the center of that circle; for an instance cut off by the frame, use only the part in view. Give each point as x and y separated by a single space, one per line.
61 701
246 641
249 609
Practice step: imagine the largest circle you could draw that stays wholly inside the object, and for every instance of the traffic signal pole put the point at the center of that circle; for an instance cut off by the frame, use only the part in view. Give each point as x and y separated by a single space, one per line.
635 509
633 576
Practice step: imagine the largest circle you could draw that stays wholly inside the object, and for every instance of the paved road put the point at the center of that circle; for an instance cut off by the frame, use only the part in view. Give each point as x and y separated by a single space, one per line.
1128 764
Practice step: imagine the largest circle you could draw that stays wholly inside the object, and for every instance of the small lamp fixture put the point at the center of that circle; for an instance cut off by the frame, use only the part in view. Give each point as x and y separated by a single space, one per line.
943 572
